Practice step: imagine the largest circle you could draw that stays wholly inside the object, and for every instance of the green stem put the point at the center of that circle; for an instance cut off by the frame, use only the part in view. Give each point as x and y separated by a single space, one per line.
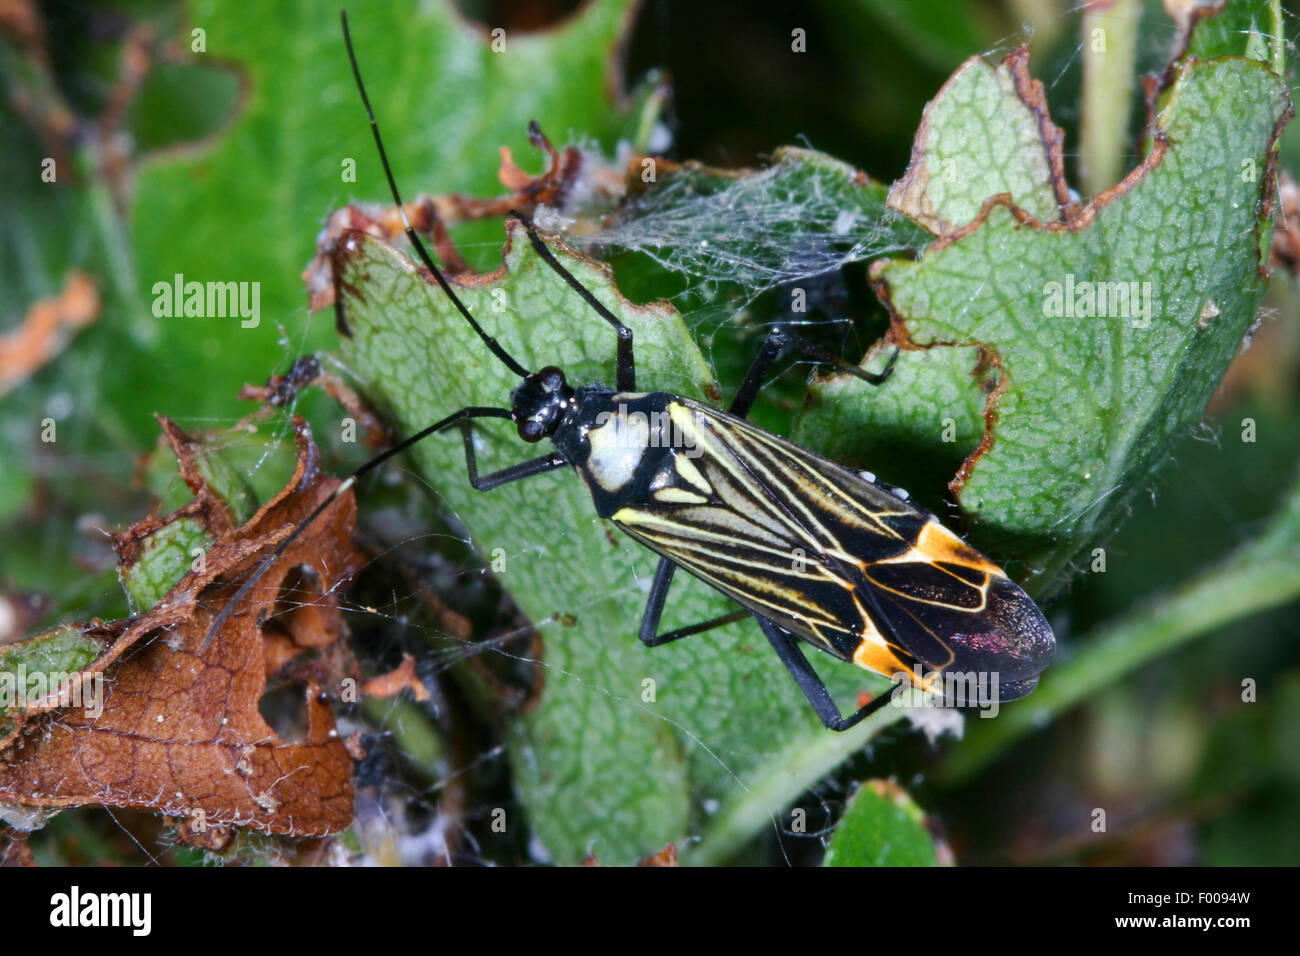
779 782
1278 41
1260 575
1109 53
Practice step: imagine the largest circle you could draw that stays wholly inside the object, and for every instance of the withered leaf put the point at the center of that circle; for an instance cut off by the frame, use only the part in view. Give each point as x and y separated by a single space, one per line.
665 857
434 215
178 730
400 678
46 329
13 848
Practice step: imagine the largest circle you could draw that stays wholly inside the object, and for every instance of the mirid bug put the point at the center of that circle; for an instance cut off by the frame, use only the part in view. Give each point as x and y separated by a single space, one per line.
814 551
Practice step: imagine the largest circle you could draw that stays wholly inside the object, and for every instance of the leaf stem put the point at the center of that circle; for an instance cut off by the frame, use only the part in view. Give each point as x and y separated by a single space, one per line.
1109 54
779 781
1277 41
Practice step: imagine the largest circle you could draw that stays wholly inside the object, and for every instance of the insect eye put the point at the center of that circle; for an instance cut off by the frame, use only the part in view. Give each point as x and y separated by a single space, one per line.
530 430
552 378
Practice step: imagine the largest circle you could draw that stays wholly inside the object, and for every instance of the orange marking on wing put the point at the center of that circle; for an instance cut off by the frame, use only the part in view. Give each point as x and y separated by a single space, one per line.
875 656
937 543
879 659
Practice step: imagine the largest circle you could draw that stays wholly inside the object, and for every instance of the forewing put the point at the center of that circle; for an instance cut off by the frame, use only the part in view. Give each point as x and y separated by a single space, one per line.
766 523
831 556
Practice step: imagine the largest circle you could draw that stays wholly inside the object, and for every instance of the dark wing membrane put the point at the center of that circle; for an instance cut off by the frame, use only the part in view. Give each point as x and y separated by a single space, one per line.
930 584
1002 632
828 555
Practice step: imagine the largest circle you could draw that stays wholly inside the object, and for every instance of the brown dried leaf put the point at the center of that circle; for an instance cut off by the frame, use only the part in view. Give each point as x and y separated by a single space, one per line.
1284 253
433 215
14 850
665 857
46 329
280 391
400 678
180 731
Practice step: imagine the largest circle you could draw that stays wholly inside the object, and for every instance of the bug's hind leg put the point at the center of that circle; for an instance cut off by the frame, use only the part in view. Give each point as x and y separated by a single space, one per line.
525 469
777 341
654 609
793 658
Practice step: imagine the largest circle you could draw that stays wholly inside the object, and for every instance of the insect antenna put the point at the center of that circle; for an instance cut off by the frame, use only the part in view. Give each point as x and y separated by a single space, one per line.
465 413
493 345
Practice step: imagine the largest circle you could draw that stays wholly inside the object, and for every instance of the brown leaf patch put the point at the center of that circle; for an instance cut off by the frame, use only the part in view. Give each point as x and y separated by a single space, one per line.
431 216
280 391
1284 252
665 857
46 329
400 678
178 729
14 850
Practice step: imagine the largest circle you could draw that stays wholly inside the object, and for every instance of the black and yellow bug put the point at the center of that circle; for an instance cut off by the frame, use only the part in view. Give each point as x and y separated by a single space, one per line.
814 551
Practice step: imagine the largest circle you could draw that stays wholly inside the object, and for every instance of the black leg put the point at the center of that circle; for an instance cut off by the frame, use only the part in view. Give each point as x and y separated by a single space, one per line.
792 657
525 469
626 376
714 622
654 609
777 341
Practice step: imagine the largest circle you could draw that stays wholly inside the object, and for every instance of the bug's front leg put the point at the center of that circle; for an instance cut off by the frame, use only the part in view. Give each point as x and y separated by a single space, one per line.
525 469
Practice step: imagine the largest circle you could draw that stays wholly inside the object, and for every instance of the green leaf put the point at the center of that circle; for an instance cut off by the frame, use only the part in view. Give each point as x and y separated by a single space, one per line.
1088 406
32 667
601 767
921 427
63 649
985 133
164 560
881 827
1242 28
445 101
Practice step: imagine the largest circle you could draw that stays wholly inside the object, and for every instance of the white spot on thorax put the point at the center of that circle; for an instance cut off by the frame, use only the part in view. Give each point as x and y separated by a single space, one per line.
616 450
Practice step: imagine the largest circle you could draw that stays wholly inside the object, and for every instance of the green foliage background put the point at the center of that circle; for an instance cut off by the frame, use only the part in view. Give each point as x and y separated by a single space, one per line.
235 159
